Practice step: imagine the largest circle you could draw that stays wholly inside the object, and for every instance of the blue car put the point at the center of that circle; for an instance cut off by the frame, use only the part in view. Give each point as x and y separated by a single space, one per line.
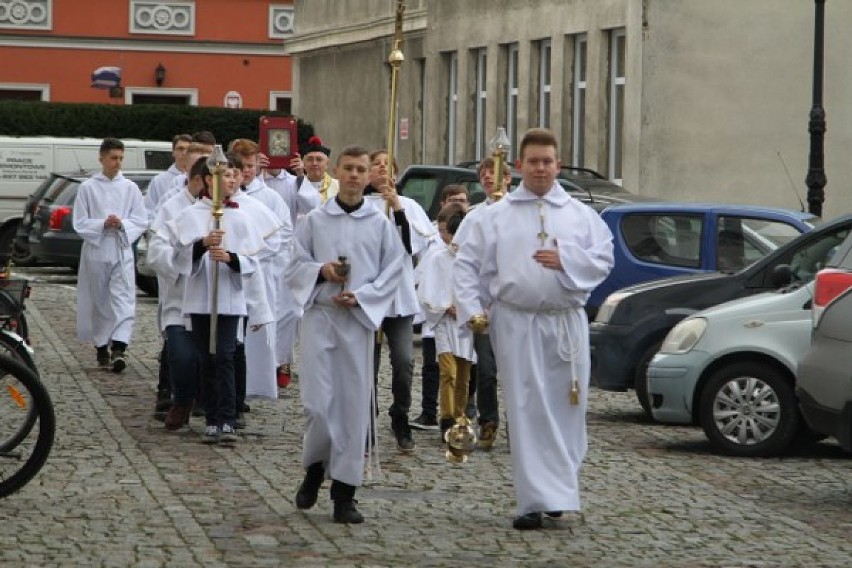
658 240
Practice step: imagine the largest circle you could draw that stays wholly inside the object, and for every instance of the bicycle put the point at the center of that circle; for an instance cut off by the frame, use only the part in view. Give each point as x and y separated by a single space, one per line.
27 425
13 323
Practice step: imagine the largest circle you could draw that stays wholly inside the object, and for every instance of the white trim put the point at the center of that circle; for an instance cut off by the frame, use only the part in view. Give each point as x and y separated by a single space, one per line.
581 47
281 21
356 32
160 18
479 111
38 15
43 87
616 82
512 65
275 95
47 42
130 91
545 77
452 106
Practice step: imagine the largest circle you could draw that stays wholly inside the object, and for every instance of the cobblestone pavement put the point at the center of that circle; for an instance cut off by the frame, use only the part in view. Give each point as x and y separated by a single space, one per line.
120 491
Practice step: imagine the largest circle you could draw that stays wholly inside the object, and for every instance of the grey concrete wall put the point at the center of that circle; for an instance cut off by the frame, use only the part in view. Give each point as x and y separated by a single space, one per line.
726 87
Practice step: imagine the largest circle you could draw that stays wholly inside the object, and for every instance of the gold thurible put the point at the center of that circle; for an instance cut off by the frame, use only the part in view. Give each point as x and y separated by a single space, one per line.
461 440
478 324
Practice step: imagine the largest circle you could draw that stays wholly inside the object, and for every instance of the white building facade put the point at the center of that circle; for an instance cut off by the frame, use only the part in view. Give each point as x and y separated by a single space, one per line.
683 99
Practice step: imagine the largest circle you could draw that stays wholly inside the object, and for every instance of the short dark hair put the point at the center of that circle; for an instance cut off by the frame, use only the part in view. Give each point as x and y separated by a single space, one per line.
353 152
198 168
109 144
205 137
489 164
452 214
180 138
538 137
451 190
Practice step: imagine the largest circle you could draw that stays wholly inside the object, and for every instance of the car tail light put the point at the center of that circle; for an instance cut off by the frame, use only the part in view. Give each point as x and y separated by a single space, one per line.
56 217
830 283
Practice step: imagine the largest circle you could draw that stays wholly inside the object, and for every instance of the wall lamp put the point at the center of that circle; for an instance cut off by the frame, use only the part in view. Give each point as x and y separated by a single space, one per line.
160 75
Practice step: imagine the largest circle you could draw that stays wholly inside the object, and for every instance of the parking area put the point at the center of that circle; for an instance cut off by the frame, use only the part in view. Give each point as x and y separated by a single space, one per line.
119 491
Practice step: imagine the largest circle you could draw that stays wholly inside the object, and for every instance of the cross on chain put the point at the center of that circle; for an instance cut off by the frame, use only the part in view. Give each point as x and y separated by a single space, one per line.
542 235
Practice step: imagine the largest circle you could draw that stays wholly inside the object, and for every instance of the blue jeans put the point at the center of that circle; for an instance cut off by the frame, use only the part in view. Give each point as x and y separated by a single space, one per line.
183 363
486 380
220 396
398 332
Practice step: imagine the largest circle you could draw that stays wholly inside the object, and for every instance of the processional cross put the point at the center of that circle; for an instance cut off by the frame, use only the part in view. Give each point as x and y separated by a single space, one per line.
542 234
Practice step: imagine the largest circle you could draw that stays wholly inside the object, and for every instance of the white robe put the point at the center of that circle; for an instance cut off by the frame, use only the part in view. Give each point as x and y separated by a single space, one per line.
337 343
157 188
261 353
435 292
421 230
106 279
166 260
539 331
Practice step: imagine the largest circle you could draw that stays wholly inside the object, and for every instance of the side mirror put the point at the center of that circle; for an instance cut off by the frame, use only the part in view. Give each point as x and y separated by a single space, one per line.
781 276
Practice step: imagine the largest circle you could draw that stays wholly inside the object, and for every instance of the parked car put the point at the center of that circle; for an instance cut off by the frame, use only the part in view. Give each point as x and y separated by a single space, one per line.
656 240
632 323
732 369
424 183
824 386
52 238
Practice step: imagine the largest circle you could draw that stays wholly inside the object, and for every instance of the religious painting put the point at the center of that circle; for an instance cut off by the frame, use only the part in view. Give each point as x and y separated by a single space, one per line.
278 140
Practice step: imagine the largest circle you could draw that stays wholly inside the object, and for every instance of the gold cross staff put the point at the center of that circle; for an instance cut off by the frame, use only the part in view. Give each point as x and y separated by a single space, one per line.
542 235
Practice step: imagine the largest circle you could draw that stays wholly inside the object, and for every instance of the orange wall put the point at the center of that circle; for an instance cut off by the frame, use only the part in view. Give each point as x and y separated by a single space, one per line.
69 73
215 20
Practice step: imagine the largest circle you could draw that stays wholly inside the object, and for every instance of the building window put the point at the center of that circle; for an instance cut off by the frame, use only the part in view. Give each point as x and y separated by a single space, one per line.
578 127
24 92
544 60
281 101
617 79
142 95
281 21
452 61
481 59
157 17
512 97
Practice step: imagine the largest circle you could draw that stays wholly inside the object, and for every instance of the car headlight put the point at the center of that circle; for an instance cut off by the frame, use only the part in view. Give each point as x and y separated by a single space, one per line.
683 337
610 304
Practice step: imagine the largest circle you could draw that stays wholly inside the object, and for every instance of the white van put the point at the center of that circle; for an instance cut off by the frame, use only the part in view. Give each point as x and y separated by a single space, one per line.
26 161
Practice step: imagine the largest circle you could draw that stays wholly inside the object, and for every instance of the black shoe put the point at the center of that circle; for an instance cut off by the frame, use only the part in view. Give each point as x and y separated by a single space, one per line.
164 402
118 361
527 522
240 422
404 441
103 356
554 514
345 512
246 407
424 422
306 495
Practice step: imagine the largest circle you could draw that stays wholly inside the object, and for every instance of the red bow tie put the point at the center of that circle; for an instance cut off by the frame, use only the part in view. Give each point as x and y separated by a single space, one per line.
231 204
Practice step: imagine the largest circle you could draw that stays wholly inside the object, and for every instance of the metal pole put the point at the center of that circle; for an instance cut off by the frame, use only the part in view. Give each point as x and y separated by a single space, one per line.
816 180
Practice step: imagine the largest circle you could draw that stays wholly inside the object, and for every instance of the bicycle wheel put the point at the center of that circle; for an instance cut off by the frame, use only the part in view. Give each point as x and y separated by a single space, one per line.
27 425
13 346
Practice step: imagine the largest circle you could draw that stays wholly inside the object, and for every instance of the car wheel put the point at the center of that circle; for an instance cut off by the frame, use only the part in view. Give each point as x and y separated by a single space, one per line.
749 409
640 380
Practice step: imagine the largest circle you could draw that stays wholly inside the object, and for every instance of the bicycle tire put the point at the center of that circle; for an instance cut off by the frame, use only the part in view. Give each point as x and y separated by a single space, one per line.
14 346
38 404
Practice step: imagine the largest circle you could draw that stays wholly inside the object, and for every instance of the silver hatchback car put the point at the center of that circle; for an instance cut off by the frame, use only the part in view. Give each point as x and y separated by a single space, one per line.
731 369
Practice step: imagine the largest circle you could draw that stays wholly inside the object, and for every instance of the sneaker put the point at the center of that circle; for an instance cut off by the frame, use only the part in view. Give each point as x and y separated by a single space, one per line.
118 361
283 377
210 435
423 422
103 357
228 434
404 442
487 435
